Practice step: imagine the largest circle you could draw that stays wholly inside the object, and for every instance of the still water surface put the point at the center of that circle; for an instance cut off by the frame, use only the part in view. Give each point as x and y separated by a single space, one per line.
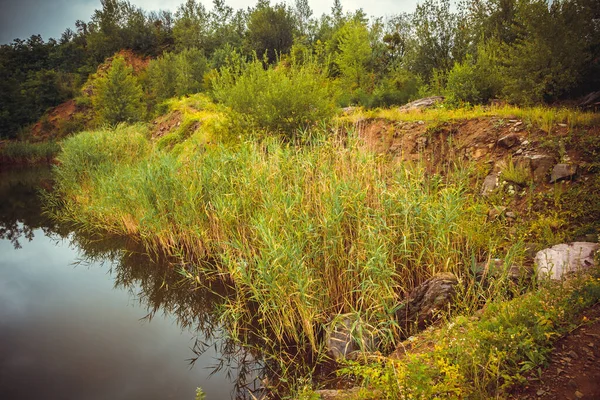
84 319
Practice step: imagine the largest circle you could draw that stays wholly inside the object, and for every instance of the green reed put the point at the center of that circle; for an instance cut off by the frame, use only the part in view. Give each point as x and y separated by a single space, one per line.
304 233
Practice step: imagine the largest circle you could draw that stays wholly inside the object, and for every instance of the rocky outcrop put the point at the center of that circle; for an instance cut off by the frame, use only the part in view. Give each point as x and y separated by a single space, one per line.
557 261
425 302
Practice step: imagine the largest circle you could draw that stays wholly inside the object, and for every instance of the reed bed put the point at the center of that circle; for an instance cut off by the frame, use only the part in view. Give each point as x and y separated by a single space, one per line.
304 233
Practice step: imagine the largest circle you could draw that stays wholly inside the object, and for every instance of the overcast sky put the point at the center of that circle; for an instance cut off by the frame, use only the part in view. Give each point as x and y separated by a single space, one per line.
23 18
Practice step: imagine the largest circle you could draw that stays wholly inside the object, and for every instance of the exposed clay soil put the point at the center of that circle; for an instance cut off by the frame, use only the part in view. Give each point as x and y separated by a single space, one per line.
42 130
574 369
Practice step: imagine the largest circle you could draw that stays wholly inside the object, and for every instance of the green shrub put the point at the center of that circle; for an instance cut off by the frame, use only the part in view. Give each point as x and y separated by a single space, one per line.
280 100
474 81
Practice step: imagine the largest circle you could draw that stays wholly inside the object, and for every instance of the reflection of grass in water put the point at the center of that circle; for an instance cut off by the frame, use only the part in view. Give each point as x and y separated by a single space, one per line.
25 152
21 208
303 233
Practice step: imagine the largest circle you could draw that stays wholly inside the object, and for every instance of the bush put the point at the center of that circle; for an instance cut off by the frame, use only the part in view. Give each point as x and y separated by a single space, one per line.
474 82
176 74
397 89
280 100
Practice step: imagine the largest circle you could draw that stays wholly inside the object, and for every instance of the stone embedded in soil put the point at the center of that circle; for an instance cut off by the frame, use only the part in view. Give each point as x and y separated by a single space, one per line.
508 141
540 165
490 183
561 259
563 171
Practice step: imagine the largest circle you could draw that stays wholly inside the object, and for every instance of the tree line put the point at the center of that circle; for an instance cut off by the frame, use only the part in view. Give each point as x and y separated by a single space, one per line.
523 51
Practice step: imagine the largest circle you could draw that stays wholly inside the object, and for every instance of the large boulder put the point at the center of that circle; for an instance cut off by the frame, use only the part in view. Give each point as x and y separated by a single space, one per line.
557 261
425 302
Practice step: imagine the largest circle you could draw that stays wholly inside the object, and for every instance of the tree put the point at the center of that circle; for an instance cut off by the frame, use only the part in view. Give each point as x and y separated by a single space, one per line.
118 96
270 30
354 53
192 26
435 33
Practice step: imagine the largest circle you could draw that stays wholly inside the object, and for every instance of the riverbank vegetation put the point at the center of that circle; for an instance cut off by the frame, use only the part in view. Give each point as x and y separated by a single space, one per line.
219 140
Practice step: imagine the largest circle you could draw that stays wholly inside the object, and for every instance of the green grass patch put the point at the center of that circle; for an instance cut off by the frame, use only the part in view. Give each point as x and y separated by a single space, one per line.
545 118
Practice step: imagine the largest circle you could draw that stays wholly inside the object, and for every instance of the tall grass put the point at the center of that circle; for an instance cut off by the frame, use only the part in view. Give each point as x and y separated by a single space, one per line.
304 233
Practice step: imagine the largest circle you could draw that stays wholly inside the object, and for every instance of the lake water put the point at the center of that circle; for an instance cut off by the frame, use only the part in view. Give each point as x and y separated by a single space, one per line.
83 318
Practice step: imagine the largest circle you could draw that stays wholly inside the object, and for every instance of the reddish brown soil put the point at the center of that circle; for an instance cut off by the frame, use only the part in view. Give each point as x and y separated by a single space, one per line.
45 128
166 123
574 369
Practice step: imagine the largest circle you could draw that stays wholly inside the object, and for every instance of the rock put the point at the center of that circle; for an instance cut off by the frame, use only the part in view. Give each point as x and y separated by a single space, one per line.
508 141
496 268
563 171
426 301
338 337
490 183
511 215
540 165
346 335
426 102
590 100
557 261
495 212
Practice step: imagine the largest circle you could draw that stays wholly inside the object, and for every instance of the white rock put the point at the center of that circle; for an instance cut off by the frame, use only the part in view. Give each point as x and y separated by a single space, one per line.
561 259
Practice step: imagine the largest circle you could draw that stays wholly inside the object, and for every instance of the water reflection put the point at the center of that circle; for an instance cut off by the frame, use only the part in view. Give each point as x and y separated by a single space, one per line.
251 368
20 206
67 332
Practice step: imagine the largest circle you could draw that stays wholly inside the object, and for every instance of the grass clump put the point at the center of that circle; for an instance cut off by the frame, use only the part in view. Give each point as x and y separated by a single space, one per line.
304 233
14 152
486 356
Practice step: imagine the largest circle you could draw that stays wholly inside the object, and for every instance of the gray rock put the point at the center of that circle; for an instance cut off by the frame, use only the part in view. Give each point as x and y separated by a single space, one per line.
540 165
496 268
563 171
556 261
490 183
425 102
508 141
425 302
347 335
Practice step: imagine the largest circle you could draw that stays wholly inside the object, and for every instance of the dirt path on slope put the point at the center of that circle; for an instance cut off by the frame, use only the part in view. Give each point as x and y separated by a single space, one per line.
574 369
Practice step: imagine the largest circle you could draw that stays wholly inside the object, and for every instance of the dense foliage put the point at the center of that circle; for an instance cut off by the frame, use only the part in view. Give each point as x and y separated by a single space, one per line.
525 51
